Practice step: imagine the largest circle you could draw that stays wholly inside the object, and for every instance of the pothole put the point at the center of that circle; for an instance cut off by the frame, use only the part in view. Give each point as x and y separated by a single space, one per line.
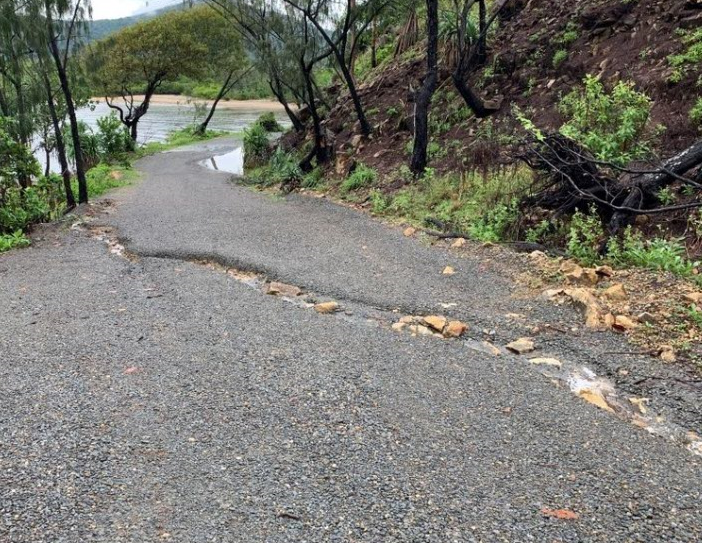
580 380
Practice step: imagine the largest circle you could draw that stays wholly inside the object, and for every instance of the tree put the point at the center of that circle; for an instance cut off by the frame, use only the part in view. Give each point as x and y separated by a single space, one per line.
225 59
341 27
63 21
425 93
139 58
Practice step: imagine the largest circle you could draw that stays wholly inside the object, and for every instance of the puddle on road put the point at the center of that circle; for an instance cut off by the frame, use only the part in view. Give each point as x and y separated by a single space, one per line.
231 162
580 380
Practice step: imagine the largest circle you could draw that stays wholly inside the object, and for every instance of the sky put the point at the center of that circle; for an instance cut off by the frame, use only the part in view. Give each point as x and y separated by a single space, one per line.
114 9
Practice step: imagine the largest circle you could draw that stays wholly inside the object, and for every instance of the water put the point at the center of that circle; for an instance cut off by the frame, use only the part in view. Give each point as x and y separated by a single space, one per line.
162 119
232 162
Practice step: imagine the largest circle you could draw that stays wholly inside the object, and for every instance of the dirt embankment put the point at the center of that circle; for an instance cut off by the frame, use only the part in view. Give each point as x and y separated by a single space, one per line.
613 39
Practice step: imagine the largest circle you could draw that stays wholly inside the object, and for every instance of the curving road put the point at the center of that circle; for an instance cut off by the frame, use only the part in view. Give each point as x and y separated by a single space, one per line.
154 398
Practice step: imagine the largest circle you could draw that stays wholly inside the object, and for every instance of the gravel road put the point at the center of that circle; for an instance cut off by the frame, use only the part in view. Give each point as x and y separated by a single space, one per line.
158 399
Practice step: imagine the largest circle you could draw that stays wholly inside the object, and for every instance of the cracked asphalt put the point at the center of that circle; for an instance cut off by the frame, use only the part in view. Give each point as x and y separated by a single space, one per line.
156 399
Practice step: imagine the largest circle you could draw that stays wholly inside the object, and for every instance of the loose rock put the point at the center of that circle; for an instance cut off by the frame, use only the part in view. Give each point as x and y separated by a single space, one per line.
460 242
327 308
624 323
455 329
521 346
282 289
409 232
546 362
616 293
436 323
448 270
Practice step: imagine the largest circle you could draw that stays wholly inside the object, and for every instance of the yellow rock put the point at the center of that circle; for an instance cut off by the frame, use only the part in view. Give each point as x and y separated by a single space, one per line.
407 320
668 354
604 271
327 308
694 297
460 242
455 329
595 398
409 232
616 293
282 289
399 326
521 346
546 362
588 303
493 350
624 323
640 404
419 330
448 270
436 323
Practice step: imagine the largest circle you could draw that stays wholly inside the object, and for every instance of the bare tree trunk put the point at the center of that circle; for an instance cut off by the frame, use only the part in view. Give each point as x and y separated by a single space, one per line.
481 55
425 93
202 129
60 144
469 97
70 106
320 151
294 119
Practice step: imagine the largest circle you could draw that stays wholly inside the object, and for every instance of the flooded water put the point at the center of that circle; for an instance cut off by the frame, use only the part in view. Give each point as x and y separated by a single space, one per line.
162 119
232 162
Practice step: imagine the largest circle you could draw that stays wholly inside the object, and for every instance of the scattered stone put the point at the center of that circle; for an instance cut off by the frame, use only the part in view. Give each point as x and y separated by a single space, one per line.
646 318
356 141
609 320
595 397
694 297
419 330
582 276
327 308
604 271
455 329
448 270
588 303
552 293
408 320
409 232
623 323
436 323
521 346
460 242
668 354
546 362
640 404
615 293
399 326
492 349
282 289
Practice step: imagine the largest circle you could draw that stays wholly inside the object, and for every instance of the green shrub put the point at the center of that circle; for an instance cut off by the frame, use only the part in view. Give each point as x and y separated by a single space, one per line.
614 125
313 179
269 123
362 176
12 241
585 237
559 58
654 254
256 145
696 112
495 223
690 58
379 202
113 139
16 159
43 201
284 167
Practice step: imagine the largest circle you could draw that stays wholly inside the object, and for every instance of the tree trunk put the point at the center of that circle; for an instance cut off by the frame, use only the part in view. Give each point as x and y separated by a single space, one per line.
202 129
294 119
481 54
650 184
60 144
469 97
425 93
374 45
70 106
320 151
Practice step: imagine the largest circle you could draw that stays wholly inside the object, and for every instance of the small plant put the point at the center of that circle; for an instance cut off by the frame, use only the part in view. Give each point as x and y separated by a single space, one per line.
362 176
666 196
13 241
613 125
568 36
655 254
313 179
256 145
585 237
696 113
690 58
284 168
559 58
269 123
379 203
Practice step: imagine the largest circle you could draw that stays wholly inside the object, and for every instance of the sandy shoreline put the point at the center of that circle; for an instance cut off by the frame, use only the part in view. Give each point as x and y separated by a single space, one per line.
241 105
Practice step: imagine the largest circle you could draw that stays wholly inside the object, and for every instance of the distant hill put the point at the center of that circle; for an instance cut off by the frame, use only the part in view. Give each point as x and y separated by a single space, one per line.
104 27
